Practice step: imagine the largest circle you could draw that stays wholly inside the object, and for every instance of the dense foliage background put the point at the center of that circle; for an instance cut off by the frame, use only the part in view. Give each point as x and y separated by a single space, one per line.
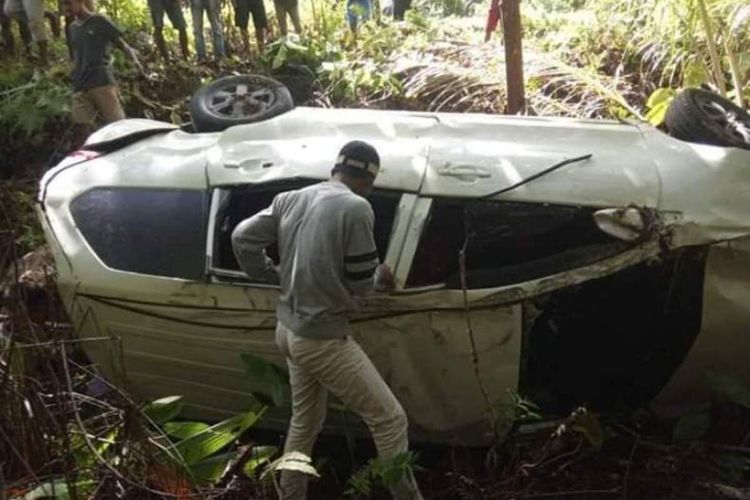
584 58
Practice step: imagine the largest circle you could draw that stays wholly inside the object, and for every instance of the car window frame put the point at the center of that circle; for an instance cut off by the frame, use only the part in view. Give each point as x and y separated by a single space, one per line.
416 231
204 227
219 195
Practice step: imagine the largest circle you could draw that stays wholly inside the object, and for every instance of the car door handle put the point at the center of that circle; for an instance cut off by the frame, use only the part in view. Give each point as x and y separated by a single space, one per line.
466 173
251 164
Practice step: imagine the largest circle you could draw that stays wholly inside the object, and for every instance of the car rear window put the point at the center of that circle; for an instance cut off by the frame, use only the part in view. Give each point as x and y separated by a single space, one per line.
505 242
147 231
245 201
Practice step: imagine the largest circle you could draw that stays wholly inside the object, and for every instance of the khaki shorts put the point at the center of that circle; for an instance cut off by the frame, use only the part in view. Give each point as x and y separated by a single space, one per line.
103 100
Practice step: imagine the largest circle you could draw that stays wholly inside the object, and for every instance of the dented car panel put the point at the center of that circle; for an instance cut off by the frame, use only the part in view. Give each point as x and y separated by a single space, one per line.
140 239
723 344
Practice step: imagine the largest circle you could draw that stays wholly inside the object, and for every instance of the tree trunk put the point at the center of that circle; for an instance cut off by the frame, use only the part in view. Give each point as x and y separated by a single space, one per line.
513 41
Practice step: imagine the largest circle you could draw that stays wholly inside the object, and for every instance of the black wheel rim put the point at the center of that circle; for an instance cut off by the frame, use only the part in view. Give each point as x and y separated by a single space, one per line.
730 120
241 100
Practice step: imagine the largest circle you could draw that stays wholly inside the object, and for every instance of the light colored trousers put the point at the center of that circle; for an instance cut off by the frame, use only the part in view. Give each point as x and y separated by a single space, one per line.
341 367
31 11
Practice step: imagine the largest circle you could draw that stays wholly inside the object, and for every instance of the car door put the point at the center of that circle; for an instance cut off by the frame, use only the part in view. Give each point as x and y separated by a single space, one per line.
252 163
452 368
250 305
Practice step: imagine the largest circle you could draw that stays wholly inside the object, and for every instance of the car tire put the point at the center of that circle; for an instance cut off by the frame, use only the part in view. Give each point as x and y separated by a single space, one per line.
700 116
234 100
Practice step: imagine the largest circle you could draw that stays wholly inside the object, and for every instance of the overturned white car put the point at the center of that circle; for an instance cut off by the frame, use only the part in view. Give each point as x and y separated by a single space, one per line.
605 263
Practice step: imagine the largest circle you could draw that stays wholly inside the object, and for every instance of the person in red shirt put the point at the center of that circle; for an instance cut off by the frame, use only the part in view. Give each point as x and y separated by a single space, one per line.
493 19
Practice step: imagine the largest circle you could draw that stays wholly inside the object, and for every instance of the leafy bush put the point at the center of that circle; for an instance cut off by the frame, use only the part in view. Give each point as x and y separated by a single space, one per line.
31 100
380 473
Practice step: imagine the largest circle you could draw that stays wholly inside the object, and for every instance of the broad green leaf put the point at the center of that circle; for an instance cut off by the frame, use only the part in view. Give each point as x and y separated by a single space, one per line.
260 455
392 476
206 443
730 388
281 56
211 469
695 74
184 430
295 46
658 113
660 96
275 378
589 426
689 427
293 460
164 409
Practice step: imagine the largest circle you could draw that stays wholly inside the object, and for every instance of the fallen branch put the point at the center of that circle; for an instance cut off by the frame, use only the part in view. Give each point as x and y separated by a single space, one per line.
19 89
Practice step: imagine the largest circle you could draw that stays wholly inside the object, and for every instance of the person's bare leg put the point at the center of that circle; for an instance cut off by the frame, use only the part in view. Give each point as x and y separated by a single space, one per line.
184 44
160 44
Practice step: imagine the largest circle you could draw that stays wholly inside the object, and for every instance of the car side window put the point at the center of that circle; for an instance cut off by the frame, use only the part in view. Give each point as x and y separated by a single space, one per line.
240 202
149 231
505 242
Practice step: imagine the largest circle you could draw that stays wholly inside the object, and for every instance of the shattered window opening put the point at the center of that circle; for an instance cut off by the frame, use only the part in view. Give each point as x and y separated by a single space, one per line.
149 231
246 200
612 343
508 242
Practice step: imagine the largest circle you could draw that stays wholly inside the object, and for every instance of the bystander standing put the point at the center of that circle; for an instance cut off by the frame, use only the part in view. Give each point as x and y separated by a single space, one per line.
94 88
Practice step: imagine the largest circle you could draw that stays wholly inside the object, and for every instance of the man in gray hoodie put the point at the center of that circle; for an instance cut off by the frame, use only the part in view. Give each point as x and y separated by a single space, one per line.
328 257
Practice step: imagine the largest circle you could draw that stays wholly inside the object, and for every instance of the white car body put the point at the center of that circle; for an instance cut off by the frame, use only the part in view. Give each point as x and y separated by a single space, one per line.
178 335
